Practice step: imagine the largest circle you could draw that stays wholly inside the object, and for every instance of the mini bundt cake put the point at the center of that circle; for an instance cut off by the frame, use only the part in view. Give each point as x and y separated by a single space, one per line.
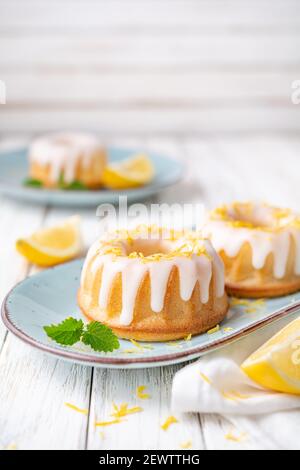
260 247
60 160
149 285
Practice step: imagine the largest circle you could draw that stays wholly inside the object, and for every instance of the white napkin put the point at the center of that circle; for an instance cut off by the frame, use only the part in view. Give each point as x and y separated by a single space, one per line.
216 384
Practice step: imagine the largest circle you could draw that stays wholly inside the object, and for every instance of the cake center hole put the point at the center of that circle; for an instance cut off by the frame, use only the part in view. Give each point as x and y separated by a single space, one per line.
150 247
255 216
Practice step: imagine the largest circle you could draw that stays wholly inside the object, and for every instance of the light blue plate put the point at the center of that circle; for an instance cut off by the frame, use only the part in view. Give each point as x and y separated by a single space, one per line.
14 170
50 296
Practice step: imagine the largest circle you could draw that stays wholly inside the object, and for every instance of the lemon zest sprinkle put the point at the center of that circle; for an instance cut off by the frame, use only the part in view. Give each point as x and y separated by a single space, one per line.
186 445
247 303
131 351
192 246
170 420
75 408
174 344
205 378
108 423
231 437
228 396
214 330
140 346
123 410
140 392
188 337
227 329
243 302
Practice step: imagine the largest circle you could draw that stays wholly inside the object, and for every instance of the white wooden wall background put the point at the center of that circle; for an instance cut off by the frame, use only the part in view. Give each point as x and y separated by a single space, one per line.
149 66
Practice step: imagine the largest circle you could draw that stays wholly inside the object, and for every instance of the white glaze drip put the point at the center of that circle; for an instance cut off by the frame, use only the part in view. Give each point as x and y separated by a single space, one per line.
197 268
296 236
63 152
230 239
218 269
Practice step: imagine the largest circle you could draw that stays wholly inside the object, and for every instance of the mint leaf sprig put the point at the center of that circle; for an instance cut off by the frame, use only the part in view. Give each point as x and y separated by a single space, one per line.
33 183
95 334
73 186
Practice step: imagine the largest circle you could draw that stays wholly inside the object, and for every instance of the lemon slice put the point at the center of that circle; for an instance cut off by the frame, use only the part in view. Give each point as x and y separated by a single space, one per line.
130 173
276 364
52 246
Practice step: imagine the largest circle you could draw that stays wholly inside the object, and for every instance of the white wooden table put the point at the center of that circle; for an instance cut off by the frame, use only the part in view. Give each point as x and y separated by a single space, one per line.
34 386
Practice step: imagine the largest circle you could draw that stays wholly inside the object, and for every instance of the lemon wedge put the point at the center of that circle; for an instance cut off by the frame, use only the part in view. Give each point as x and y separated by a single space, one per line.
52 246
130 173
276 364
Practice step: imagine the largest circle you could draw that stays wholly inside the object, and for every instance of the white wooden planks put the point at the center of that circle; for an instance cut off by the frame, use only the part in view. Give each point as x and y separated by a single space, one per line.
149 66
138 14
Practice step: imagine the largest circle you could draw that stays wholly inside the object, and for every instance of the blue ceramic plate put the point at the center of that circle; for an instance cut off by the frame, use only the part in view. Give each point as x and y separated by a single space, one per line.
14 169
50 297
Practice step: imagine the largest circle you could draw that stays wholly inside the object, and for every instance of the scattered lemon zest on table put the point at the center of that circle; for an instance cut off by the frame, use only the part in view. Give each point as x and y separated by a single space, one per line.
205 378
186 445
108 423
169 421
227 329
231 437
188 337
75 408
214 330
123 410
140 392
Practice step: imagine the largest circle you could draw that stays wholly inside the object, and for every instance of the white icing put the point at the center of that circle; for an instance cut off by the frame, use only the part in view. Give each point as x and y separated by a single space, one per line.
230 239
197 268
296 237
63 152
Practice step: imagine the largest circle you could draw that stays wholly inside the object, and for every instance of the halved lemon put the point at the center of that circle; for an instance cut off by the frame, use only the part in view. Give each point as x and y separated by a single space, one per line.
130 173
52 246
276 364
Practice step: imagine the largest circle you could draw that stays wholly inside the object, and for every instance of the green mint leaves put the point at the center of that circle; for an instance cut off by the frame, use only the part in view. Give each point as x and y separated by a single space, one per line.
33 183
94 334
74 186
100 337
67 332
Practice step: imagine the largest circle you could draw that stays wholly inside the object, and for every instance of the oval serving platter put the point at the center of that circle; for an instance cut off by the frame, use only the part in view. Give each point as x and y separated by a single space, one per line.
14 169
50 296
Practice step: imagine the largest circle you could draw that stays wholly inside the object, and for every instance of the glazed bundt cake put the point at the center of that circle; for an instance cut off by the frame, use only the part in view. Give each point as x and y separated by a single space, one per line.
260 248
60 160
153 285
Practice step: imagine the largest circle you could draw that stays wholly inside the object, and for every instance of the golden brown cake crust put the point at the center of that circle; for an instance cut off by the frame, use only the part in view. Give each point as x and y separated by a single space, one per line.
259 245
90 176
267 290
177 320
